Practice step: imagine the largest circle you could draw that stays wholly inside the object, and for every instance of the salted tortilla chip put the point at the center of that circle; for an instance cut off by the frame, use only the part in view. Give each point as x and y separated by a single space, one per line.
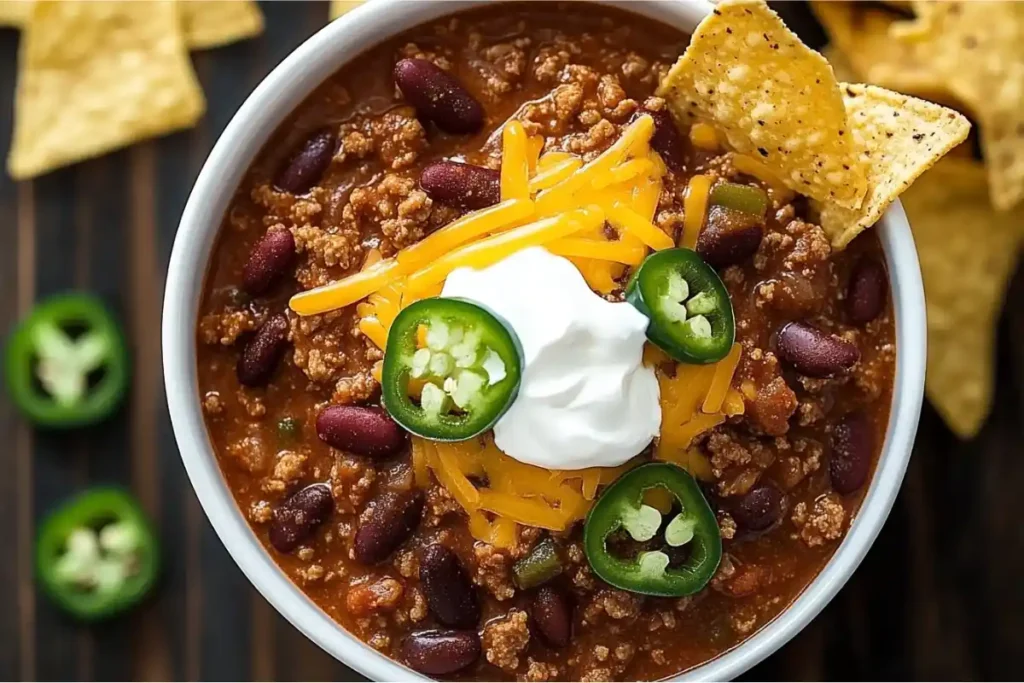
968 253
210 23
861 32
978 50
14 12
899 137
206 23
772 97
96 76
339 7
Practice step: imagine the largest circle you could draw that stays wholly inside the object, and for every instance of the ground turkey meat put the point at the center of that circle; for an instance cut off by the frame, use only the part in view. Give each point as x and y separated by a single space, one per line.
225 328
493 571
796 261
505 639
769 400
398 208
374 597
615 604
318 341
824 522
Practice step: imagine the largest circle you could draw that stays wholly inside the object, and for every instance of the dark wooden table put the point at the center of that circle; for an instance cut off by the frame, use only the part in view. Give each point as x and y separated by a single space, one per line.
940 596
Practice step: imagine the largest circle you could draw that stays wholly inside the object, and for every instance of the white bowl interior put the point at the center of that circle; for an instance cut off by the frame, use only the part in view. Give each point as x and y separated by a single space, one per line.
245 135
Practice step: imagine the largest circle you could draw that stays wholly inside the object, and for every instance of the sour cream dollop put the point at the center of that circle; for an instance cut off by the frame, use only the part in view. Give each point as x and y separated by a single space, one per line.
586 399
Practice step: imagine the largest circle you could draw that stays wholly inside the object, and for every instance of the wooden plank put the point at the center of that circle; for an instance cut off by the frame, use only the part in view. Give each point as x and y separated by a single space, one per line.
57 457
102 267
17 277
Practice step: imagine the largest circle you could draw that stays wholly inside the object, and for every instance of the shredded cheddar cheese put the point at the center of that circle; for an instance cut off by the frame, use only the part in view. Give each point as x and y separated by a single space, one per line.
373 329
551 175
534 147
630 254
624 218
347 291
500 217
695 208
515 162
492 249
722 379
693 401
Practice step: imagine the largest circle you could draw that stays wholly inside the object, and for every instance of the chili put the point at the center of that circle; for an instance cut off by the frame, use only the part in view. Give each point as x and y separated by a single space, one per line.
96 555
451 369
651 572
691 316
66 363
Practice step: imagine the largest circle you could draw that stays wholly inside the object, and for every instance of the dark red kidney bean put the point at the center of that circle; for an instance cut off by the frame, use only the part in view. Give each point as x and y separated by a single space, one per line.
307 166
551 612
439 653
268 261
449 592
815 353
297 518
462 185
667 140
390 519
759 508
438 96
363 430
263 352
730 237
865 295
853 443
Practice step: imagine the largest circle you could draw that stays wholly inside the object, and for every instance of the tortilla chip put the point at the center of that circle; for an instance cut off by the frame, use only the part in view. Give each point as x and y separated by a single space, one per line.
339 7
96 76
978 49
900 137
773 98
206 23
14 12
861 32
968 253
210 23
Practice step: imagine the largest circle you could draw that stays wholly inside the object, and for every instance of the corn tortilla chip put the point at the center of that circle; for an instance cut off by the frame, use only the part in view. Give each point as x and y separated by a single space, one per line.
96 76
14 12
206 23
978 49
861 32
968 252
340 7
773 98
899 137
210 23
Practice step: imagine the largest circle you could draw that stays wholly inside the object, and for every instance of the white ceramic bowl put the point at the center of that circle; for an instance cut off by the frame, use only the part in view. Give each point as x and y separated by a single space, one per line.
249 130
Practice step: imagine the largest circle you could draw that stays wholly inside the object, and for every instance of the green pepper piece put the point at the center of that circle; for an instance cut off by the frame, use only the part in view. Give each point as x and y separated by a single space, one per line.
621 507
691 317
96 555
745 198
288 429
48 371
466 376
542 564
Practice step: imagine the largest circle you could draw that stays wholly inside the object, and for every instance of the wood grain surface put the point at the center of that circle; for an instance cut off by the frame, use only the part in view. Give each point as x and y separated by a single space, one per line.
939 596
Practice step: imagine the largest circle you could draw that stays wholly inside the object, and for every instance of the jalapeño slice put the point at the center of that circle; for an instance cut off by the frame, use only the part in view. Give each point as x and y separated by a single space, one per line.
96 555
691 529
66 363
451 369
690 312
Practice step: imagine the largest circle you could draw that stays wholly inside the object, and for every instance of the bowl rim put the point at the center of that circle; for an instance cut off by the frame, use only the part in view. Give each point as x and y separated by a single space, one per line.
250 128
